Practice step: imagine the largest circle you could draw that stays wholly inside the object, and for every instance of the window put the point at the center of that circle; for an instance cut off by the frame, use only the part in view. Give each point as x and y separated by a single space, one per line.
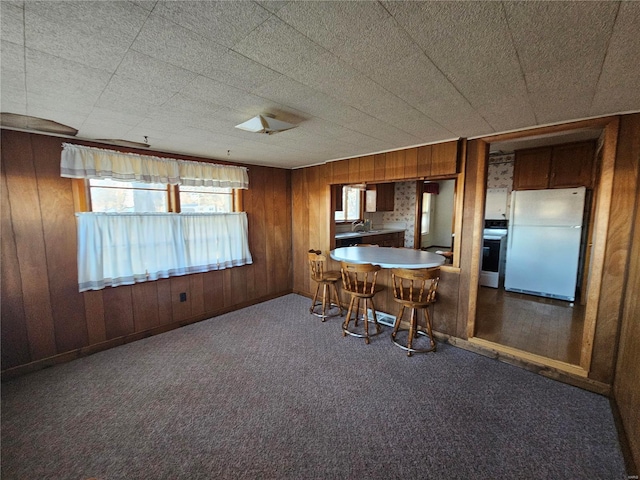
351 204
132 197
120 197
206 199
130 225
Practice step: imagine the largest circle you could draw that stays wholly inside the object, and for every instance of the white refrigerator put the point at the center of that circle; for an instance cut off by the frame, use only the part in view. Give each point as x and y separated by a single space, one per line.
543 248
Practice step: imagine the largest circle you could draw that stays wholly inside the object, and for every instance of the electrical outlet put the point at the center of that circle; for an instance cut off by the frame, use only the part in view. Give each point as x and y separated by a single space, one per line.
183 297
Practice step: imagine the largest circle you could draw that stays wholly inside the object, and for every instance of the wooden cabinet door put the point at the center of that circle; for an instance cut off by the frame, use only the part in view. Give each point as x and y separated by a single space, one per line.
531 169
572 165
385 201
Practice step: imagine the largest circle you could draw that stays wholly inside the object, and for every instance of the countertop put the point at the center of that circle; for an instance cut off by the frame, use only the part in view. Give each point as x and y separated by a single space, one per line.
381 231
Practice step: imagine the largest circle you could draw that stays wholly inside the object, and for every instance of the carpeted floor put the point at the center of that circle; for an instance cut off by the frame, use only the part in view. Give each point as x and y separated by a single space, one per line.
270 392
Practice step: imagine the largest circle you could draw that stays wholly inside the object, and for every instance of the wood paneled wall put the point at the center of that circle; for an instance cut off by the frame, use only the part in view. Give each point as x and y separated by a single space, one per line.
44 315
626 386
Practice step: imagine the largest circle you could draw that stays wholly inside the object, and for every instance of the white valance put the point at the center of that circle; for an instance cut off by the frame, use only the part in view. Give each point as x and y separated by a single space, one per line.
123 249
86 162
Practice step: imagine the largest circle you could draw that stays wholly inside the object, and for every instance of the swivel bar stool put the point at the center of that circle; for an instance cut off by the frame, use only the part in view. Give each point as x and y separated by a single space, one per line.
328 280
359 281
416 289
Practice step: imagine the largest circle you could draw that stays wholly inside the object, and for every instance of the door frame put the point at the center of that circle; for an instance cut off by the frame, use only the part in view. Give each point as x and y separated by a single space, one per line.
603 189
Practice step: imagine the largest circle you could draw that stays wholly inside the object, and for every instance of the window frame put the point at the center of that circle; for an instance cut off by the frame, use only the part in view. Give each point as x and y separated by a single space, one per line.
361 206
82 197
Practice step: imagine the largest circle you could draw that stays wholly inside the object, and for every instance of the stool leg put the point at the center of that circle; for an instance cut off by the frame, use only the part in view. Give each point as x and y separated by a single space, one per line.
324 300
375 317
427 318
412 330
365 316
335 291
315 297
396 327
346 320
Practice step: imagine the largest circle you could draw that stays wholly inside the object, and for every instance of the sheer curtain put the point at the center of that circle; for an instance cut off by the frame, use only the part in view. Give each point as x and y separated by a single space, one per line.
123 249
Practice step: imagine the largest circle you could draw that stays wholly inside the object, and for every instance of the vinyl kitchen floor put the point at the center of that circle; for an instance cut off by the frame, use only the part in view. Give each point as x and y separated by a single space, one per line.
543 326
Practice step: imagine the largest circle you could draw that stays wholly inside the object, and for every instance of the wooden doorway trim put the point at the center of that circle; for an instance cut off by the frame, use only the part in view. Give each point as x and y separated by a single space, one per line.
604 186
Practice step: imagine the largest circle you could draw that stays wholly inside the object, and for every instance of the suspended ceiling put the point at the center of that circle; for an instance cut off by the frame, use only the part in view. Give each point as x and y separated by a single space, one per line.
356 77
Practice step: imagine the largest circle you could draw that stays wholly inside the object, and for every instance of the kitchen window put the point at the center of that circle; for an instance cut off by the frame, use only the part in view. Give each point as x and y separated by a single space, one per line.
351 204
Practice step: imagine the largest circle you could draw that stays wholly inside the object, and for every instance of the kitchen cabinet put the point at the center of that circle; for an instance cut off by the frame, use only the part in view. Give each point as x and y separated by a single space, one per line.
395 239
559 166
380 197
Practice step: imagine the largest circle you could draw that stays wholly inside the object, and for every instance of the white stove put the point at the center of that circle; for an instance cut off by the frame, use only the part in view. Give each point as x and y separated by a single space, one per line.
494 250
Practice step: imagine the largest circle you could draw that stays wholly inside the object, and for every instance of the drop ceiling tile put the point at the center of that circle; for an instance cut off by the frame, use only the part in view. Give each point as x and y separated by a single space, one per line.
12 23
223 22
385 132
145 69
618 89
96 34
361 33
108 116
547 34
469 42
227 96
281 48
63 79
121 90
146 4
102 131
240 72
169 42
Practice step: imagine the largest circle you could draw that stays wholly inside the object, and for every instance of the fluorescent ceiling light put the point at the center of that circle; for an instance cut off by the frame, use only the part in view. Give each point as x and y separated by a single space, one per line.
265 124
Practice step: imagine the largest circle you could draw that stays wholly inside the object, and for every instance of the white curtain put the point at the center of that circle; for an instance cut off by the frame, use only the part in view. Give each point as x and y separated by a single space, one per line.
123 249
85 162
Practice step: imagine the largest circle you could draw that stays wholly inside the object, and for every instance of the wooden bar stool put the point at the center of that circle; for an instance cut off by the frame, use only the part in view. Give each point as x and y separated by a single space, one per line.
359 281
328 280
416 289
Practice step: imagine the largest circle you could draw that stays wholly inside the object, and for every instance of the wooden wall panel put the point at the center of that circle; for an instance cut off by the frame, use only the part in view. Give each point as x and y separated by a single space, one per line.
626 387
300 220
56 203
26 219
367 168
15 342
118 311
257 228
395 165
444 158
165 305
354 170
94 314
340 171
411 163
424 161
379 167
625 183
145 306
43 314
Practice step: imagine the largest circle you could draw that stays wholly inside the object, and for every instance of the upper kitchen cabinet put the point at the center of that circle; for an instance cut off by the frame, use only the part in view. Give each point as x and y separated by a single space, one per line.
437 160
559 166
380 197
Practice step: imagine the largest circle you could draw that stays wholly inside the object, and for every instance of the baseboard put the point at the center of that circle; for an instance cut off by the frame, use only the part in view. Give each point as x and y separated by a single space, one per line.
560 371
47 362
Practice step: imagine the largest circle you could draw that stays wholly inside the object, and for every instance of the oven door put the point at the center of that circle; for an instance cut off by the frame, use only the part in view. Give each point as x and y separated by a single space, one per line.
491 254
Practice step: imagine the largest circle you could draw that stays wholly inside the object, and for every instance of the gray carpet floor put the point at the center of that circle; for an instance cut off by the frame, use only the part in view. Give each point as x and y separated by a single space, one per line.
270 392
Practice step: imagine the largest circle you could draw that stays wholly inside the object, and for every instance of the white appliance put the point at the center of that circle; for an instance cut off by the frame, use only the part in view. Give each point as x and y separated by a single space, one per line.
494 244
543 250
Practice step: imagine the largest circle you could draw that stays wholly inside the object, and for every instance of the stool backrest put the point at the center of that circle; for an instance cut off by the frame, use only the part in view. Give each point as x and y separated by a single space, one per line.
316 263
359 277
415 285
